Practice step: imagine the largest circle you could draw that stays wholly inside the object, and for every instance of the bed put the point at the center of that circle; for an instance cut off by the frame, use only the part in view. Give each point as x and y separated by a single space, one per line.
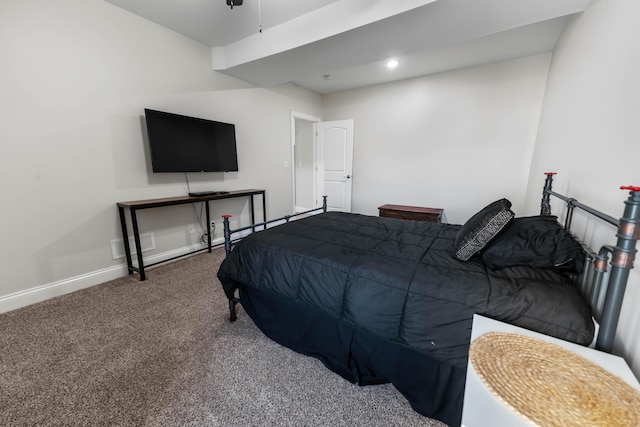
382 300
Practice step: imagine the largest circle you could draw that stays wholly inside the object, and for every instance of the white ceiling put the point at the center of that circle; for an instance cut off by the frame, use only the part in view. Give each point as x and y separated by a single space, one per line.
334 45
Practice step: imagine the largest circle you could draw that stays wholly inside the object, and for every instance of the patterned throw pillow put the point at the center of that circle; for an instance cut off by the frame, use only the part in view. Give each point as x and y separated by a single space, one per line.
481 228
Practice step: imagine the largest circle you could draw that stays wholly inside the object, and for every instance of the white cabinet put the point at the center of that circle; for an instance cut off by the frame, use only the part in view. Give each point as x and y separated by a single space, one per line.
483 408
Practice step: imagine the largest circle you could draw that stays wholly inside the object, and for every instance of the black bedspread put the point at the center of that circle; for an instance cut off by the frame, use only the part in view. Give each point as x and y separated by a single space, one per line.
391 292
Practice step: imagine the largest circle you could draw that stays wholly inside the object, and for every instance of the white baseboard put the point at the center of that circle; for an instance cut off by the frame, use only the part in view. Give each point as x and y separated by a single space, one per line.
44 292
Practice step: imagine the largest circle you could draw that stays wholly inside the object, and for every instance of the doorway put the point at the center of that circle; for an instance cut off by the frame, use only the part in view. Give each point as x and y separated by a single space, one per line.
322 159
303 161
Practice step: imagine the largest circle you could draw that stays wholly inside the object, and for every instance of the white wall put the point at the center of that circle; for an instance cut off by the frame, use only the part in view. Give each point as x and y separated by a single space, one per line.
456 140
75 78
590 131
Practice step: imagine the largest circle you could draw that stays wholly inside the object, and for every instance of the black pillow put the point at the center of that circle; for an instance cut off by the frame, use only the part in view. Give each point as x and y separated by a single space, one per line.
481 228
536 241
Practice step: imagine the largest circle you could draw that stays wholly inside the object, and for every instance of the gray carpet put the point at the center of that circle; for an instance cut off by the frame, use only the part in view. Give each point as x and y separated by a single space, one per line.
162 353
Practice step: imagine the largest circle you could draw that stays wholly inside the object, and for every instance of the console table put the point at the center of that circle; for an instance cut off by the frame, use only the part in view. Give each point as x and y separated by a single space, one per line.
134 206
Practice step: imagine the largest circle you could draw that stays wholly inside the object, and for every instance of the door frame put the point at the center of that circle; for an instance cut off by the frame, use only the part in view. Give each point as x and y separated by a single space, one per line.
295 115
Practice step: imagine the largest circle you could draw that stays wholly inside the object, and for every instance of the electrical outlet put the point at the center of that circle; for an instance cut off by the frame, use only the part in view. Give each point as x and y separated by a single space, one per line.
192 229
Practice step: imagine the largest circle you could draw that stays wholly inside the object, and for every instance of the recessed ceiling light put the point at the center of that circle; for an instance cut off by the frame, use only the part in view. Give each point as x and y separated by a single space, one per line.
392 63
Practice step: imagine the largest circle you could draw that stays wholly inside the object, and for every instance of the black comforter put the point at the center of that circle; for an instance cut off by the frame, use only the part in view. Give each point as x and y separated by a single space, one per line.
390 292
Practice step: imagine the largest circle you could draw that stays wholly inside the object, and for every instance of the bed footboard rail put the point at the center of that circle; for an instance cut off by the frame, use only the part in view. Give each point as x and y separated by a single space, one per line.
229 240
228 232
621 257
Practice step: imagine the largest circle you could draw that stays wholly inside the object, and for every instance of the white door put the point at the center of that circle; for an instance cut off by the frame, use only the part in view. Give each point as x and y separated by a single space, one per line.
334 162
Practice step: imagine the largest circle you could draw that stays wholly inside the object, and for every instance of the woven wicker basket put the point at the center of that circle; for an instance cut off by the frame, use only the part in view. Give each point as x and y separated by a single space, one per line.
551 386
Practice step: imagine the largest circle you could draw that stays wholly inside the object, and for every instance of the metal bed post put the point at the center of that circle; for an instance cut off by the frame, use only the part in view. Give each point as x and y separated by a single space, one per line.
545 205
227 249
227 233
599 268
622 262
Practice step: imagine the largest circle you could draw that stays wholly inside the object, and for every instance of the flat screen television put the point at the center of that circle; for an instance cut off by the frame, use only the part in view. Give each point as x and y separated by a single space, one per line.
188 144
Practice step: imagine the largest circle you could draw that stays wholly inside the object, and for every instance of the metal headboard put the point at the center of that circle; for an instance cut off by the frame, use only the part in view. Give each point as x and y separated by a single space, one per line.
622 255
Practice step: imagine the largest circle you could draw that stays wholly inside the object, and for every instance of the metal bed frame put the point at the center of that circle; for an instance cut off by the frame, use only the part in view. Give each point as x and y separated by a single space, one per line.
622 257
593 279
229 240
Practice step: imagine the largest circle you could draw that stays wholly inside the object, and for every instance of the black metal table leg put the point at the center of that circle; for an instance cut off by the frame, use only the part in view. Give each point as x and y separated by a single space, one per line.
264 207
125 239
253 214
136 238
206 204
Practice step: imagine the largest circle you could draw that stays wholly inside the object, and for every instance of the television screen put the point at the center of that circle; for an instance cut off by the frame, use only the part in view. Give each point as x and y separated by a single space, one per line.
188 144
